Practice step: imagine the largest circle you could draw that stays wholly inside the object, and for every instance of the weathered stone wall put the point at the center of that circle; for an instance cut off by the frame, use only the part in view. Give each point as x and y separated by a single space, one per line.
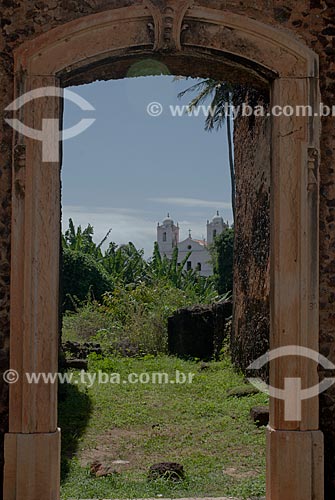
198 331
250 328
313 21
5 221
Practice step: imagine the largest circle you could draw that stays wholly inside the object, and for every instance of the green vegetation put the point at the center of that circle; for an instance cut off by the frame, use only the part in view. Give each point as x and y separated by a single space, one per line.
82 276
87 271
132 320
223 260
117 298
198 425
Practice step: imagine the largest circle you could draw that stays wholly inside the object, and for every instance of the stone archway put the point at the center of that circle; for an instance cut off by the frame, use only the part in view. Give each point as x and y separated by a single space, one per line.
184 36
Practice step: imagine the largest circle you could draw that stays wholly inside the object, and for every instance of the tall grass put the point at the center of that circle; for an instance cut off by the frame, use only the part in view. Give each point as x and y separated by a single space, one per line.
131 320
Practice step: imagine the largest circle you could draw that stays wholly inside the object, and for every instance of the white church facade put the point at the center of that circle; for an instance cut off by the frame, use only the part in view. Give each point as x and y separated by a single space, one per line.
200 258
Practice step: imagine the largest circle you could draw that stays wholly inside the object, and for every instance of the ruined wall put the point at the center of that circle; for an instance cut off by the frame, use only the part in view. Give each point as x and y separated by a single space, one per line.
251 317
313 21
5 220
198 331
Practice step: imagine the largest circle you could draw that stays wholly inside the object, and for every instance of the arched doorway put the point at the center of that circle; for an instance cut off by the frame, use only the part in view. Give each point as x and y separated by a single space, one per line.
191 41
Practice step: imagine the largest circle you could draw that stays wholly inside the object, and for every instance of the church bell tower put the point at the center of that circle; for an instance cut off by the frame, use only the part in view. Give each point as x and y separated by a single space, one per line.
167 236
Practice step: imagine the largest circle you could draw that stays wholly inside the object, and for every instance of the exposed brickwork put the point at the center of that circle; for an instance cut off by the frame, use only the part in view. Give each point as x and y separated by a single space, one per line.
314 22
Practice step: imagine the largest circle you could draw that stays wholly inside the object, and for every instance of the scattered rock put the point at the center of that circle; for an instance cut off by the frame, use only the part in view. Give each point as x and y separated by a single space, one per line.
101 470
81 350
167 470
77 364
260 415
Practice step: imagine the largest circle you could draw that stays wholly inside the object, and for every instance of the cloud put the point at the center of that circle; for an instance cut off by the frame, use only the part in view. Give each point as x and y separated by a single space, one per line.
126 224
101 209
139 225
191 202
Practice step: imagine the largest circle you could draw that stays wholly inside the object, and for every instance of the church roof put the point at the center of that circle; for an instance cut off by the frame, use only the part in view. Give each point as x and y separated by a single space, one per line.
201 242
217 217
191 240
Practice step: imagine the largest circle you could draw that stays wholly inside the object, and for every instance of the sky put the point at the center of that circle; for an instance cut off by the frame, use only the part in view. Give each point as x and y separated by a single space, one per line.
129 169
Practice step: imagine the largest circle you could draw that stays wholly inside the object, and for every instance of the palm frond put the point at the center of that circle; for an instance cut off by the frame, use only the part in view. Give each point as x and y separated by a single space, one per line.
207 85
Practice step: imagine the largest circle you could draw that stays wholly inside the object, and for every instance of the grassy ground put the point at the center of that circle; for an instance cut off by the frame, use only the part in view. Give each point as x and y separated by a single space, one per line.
197 425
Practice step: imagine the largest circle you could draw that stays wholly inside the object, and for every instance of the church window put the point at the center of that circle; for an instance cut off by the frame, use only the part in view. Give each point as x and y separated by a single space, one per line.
189 265
164 236
214 233
199 266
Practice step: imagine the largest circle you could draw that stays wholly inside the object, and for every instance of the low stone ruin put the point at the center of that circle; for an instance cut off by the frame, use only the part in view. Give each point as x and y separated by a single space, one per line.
78 350
198 331
166 470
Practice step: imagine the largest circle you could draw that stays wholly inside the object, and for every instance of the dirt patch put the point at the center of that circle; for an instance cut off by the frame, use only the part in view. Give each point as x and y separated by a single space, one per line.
124 445
239 474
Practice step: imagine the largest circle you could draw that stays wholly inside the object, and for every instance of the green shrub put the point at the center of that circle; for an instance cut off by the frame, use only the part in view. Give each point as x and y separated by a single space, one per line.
140 314
223 260
131 320
85 322
82 276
